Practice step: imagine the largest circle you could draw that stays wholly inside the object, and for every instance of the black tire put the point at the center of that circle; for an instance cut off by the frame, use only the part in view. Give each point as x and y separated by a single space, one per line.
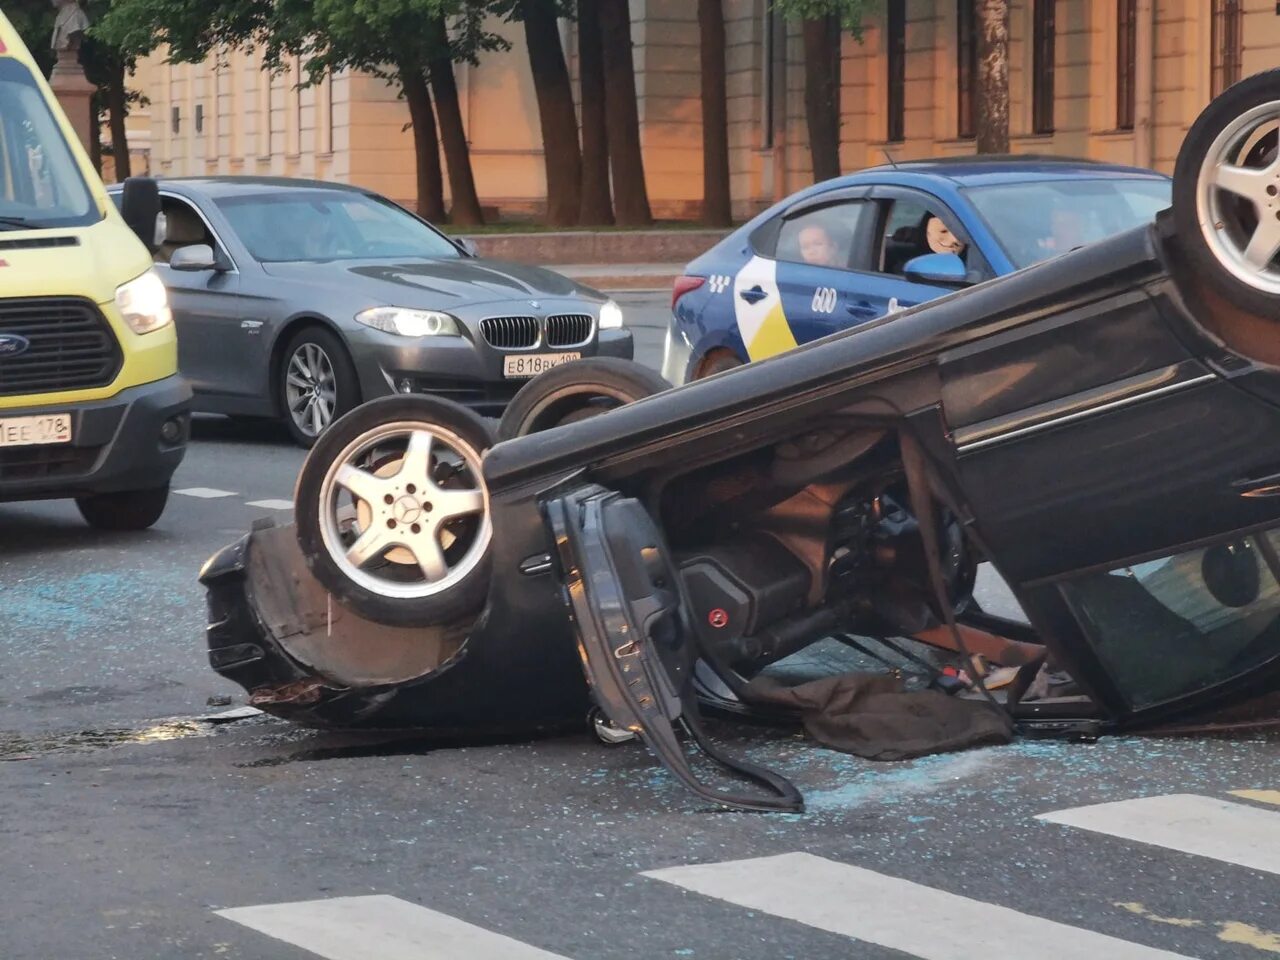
463 598
1189 208
346 383
717 362
129 510
575 391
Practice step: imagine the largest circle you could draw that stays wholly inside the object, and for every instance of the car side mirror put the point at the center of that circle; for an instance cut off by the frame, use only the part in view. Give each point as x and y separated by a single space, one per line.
943 268
468 246
194 258
140 208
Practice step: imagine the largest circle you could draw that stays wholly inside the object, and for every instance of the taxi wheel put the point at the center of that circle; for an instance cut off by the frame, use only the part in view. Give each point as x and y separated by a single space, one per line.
575 391
1226 194
392 512
717 361
128 510
317 383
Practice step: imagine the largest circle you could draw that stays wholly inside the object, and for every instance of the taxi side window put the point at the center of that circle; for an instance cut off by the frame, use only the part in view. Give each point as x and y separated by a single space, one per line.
913 229
824 237
183 227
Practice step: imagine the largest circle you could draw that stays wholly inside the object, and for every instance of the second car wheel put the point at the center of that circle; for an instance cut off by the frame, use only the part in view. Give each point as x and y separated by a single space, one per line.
575 391
392 511
1226 194
317 383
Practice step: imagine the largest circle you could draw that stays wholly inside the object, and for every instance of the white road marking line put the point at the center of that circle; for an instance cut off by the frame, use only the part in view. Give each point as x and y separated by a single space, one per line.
915 919
381 927
204 493
272 504
1232 832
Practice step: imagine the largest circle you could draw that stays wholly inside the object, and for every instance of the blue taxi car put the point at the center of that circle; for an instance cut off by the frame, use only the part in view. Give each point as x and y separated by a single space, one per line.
856 248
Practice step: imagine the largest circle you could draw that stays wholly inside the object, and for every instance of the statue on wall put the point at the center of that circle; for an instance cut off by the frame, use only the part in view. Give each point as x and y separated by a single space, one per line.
68 28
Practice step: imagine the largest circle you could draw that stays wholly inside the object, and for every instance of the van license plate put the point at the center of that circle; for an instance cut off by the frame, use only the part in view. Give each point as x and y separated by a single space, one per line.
34 431
532 364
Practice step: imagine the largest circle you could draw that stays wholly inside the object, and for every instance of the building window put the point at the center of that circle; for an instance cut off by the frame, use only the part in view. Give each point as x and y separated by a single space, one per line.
1044 45
897 51
199 118
966 68
1126 61
175 119
1227 43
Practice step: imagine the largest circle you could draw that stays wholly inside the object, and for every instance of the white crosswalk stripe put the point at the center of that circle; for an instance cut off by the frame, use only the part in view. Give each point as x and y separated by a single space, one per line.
380 928
915 919
1232 832
272 504
204 493
921 921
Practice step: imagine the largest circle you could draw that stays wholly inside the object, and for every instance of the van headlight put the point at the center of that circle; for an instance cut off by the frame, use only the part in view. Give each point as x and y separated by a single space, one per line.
144 303
409 323
610 316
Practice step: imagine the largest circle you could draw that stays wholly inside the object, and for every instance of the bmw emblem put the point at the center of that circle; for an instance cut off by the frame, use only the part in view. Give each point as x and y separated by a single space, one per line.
535 304
12 345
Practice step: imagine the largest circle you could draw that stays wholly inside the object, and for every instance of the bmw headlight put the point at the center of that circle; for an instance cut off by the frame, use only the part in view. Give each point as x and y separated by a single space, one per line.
144 303
409 323
610 316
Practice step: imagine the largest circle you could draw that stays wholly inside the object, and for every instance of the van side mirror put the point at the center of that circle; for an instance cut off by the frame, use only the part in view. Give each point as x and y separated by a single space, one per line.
140 207
941 268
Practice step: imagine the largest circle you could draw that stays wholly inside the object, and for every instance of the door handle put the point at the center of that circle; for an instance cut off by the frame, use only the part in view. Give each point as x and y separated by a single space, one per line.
862 309
1268 486
754 295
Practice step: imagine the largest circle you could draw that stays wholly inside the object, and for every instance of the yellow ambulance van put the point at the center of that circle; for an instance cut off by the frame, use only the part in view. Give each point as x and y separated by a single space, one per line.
91 403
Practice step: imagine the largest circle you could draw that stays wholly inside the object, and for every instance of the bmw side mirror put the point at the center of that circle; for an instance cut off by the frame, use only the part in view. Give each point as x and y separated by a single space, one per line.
468 246
193 259
140 207
942 268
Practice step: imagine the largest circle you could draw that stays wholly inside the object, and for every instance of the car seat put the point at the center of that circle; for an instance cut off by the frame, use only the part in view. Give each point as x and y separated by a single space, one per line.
182 228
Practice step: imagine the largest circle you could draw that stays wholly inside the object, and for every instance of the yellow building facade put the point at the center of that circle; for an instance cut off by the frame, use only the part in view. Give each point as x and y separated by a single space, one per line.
1117 80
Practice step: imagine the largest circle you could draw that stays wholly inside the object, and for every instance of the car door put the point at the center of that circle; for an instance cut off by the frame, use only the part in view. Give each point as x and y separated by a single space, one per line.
626 601
1125 489
816 245
206 305
900 234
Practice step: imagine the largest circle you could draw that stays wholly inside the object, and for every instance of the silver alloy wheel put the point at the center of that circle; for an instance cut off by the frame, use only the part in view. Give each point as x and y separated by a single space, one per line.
1244 236
403 510
311 389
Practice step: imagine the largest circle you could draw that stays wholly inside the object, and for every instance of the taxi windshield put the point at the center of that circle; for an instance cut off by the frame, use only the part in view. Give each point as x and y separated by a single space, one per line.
40 181
1036 220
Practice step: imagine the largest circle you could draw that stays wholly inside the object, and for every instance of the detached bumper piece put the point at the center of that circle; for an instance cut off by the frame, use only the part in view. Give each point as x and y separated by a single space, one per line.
626 601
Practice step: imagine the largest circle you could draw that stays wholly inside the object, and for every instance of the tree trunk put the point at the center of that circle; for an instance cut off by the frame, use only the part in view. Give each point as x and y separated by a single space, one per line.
426 144
555 111
716 202
622 118
992 122
597 204
462 184
95 134
822 94
117 109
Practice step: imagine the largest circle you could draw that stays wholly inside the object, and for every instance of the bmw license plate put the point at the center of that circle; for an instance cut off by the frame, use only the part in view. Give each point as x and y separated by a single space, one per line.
532 364
33 431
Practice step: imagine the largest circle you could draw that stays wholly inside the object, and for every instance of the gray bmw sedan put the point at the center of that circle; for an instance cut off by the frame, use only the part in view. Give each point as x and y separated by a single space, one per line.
299 300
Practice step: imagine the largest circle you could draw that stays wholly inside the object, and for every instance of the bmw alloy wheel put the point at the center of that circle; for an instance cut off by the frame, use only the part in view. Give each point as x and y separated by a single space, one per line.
311 389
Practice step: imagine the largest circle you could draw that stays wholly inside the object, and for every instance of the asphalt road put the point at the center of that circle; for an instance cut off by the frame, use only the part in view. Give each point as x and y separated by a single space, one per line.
128 826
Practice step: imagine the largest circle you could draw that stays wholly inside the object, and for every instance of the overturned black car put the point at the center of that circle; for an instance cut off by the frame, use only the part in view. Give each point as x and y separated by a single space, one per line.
1102 428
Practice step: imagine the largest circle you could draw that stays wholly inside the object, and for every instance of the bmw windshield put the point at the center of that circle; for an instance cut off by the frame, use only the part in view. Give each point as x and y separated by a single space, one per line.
320 225
40 181
1035 220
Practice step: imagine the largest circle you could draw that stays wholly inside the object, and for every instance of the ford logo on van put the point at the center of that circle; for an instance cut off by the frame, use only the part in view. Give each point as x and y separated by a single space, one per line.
12 345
